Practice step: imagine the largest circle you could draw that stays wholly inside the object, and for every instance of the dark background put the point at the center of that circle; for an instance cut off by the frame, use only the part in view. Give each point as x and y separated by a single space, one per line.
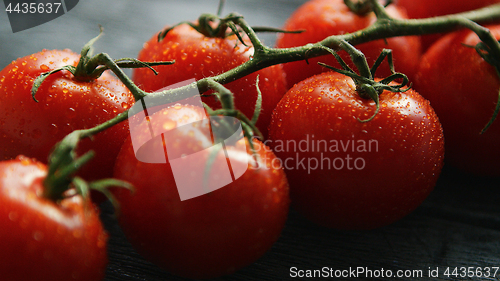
458 225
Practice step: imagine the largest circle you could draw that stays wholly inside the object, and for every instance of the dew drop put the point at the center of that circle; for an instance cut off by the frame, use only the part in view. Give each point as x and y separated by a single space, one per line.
124 105
13 216
71 113
38 236
177 106
77 234
44 67
53 129
169 125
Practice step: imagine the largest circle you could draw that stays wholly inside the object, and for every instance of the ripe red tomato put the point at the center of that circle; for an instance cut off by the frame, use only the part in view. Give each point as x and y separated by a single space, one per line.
463 89
65 104
209 235
198 56
322 18
417 9
347 174
44 240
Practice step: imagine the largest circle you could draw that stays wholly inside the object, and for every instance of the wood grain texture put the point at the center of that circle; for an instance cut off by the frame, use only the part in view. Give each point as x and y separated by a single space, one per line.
458 225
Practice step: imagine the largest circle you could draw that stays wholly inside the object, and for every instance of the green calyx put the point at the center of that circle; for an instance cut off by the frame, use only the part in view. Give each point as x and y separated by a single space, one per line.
366 86
64 164
91 67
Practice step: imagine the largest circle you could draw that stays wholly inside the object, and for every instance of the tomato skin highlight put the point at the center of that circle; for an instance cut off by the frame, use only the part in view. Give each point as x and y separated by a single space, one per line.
64 104
399 153
42 240
463 89
197 56
207 236
322 18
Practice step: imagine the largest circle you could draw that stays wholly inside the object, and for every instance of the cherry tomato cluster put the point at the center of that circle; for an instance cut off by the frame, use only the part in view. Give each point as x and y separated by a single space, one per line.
338 154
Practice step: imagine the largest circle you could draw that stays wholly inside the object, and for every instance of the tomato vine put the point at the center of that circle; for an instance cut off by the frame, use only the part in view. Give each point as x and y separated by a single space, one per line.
384 27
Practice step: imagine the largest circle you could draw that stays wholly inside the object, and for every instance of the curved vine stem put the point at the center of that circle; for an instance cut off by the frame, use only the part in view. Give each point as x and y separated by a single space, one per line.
265 56
384 27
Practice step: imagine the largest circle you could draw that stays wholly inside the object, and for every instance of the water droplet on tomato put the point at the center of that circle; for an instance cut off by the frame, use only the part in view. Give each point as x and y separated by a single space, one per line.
38 236
65 90
177 106
77 234
169 125
53 129
184 56
124 105
13 216
71 113
44 67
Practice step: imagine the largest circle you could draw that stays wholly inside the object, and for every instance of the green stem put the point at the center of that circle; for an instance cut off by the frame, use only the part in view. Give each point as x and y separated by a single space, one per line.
384 27
265 56
105 59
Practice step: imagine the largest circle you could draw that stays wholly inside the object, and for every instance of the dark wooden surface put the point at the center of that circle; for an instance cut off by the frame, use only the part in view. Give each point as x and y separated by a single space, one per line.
458 225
